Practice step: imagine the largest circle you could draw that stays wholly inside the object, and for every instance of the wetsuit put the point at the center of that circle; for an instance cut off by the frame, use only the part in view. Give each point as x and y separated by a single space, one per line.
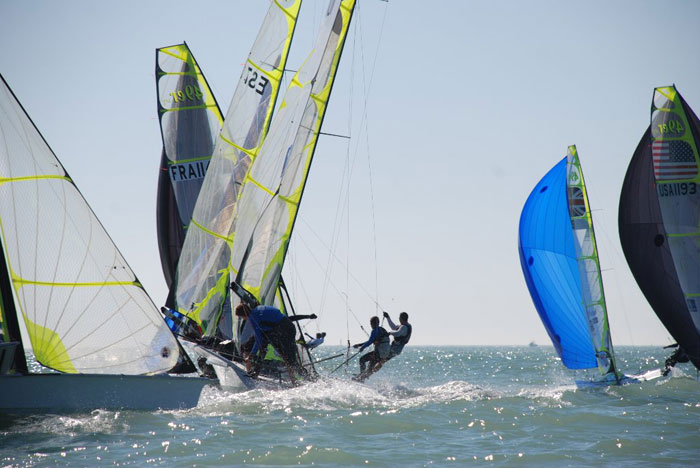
380 338
401 336
273 327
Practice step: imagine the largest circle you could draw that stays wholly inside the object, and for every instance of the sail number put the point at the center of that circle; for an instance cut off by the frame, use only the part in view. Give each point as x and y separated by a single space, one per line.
676 189
672 126
190 93
256 81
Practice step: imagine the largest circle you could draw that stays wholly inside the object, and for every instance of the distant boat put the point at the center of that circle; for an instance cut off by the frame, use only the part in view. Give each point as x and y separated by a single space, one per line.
86 314
532 344
559 258
659 218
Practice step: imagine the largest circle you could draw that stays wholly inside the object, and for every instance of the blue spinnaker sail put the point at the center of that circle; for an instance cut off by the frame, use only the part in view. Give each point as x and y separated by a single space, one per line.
549 262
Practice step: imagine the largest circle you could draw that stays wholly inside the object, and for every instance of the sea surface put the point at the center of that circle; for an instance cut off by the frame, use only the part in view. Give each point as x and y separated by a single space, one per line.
432 406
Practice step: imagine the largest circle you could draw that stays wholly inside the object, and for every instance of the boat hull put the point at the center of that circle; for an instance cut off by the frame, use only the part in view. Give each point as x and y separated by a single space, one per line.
625 380
52 393
231 375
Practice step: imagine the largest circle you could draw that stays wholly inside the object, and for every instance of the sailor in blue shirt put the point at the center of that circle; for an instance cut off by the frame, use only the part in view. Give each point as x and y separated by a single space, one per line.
273 327
380 339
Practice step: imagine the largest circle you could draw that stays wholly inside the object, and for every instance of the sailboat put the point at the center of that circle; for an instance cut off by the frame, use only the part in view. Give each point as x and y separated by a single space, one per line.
190 120
246 181
85 313
659 218
559 258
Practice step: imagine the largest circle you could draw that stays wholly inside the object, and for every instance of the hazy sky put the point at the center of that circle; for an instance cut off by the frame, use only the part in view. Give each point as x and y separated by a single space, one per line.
465 106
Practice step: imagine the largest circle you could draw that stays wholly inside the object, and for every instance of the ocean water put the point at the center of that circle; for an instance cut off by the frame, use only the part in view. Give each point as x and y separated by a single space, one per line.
432 406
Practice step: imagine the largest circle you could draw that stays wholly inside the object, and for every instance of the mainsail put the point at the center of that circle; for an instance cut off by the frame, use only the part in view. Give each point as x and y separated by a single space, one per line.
190 120
203 270
83 307
559 258
675 135
644 242
273 188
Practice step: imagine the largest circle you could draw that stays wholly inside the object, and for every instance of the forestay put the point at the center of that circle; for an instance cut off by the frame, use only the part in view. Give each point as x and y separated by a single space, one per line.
83 307
190 120
674 145
273 188
203 271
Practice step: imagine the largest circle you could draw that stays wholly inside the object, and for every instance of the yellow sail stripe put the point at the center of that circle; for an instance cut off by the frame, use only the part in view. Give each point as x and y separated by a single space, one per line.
181 161
259 185
38 177
239 148
212 233
178 109
21 281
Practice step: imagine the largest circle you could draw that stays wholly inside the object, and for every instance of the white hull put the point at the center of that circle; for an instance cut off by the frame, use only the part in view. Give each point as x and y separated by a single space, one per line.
626 379
53 393
231 375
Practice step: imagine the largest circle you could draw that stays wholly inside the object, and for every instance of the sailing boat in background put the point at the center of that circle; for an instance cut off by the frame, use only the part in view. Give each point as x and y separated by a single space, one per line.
190 120
659 218
559 258
86 314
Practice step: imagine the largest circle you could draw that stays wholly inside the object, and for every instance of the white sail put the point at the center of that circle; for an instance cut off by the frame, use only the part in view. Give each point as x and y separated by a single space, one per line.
203 271
83 307
273 188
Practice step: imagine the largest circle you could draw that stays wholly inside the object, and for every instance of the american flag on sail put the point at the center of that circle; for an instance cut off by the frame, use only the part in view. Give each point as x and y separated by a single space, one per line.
673 160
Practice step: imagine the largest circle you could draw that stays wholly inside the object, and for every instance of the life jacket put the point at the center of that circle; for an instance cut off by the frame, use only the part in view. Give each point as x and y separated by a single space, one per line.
381 343
403 340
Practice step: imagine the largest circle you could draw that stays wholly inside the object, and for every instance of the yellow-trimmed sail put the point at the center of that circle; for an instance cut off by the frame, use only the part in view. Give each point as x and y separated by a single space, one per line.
674 149
190 121
203 272
592 292
273 187
82 305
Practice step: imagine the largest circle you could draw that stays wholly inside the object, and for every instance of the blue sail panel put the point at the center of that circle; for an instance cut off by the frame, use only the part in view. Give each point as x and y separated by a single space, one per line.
548 260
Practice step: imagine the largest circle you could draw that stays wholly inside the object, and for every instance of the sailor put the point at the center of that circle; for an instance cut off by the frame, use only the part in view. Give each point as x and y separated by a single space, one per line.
380 339
314 342
273 327
401 333
678 356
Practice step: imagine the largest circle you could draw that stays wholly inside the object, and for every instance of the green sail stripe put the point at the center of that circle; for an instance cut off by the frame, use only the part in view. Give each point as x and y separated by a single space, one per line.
259 185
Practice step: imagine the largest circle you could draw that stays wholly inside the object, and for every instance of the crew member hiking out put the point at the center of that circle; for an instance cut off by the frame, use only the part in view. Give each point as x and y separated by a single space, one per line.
401 333
380 339
270 326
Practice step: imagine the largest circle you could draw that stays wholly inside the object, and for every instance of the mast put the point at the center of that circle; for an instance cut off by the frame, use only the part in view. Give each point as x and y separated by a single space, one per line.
190 120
